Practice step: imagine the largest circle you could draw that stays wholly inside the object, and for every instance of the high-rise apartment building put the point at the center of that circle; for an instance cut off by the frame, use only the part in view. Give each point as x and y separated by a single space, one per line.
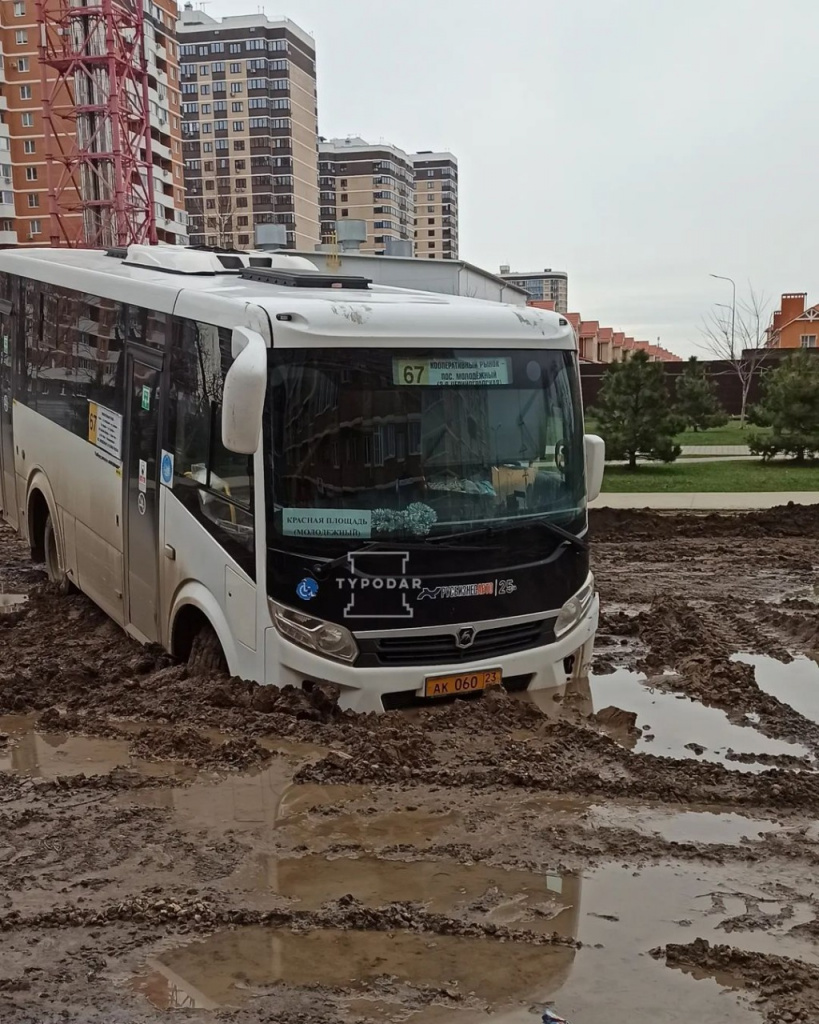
24 206
542 285
249 129
436 205
370 183
162 57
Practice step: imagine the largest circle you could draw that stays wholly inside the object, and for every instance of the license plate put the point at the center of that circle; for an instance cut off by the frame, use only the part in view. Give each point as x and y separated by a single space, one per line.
467 682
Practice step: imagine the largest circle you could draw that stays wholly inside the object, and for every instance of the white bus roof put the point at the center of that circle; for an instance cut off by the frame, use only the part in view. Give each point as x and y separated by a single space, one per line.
157 276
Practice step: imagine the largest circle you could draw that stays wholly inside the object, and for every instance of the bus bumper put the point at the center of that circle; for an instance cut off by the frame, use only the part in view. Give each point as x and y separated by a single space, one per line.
362 689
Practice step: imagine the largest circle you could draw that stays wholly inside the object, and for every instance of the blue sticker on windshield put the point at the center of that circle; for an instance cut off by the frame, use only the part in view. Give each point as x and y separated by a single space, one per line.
307 589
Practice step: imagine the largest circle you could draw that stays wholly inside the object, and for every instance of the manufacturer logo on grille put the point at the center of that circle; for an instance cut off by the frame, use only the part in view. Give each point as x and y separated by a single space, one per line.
465 637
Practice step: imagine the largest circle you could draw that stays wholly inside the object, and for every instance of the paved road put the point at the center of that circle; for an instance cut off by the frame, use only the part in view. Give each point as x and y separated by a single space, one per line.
706 500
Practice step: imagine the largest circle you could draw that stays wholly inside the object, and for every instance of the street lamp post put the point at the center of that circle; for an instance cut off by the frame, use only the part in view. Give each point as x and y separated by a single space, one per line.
720 277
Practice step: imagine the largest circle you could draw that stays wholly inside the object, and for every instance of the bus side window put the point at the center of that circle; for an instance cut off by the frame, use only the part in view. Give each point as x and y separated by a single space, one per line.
215 485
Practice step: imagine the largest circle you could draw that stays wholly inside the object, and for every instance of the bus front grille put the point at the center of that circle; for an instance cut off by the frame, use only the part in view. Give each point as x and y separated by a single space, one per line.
442 648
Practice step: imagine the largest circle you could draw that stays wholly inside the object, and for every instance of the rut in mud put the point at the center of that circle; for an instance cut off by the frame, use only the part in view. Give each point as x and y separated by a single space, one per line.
169 840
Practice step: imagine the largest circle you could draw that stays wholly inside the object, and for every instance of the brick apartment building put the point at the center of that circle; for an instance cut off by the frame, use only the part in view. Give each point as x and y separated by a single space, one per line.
249 126
24 207
370 183
542 285
598 344
794 325
436 205
409 198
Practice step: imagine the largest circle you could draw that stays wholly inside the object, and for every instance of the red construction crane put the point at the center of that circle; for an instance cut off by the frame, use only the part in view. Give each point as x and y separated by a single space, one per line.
97 127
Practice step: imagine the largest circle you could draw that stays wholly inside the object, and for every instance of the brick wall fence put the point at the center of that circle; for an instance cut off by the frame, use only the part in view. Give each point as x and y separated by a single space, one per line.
729 390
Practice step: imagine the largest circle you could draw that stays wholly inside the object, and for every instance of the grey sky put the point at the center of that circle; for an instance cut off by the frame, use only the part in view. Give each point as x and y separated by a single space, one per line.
638 144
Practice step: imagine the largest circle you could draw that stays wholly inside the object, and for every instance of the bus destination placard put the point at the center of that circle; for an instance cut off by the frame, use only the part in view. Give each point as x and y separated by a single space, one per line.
442 372
105 429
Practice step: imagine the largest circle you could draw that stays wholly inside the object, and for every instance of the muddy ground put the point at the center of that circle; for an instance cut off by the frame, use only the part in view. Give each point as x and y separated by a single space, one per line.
642 848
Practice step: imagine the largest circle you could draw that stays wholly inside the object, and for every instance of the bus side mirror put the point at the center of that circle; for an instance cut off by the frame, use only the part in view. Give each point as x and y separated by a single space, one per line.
243 392
595 451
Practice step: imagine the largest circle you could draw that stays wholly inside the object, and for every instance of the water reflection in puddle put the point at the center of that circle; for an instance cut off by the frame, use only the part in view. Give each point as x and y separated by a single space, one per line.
673 721
11 602
542 902
684 827
48 755
269 799
615 912
795 683
225 969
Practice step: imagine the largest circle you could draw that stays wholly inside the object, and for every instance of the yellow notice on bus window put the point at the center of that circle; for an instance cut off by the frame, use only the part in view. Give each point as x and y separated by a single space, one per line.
105 429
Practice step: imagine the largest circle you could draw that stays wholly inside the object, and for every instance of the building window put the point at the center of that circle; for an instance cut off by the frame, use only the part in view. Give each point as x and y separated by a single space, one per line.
204 69
241 183
239 145
344 197
31 174
27 120
33 200
239 165
21 37
218 67
237 106
242 222
22 64
19 9
343 183
238 126
28 146
244 239
430 245
236 87
430 220
430 209
217 47
235 47
241 201
235 69
808 341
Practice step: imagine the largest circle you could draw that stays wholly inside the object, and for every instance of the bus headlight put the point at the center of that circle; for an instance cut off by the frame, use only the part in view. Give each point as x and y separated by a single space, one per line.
325 638
575 608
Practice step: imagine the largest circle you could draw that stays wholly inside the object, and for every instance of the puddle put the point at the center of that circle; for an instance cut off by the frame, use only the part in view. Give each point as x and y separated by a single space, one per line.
796 683
517 899
686 826
49 755
11 602
225 969
269 799
618 915
675 720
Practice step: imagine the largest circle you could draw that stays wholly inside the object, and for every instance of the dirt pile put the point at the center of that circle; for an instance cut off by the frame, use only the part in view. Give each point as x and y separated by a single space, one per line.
191 747
613 525
789 989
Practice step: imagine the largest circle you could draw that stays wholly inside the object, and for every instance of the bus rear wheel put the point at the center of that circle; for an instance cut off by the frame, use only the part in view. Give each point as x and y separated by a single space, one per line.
206 652
56 573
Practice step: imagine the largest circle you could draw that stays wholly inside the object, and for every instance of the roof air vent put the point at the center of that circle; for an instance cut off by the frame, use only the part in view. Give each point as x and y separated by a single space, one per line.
313 279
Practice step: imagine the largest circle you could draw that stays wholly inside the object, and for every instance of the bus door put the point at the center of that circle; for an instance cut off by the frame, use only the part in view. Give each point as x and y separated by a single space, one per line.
140 493
8 484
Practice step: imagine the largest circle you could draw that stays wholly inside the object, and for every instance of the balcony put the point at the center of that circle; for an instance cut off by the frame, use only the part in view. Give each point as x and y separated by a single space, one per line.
8 238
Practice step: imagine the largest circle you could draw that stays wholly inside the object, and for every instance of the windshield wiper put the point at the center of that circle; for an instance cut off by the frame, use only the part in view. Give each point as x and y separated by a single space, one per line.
519 524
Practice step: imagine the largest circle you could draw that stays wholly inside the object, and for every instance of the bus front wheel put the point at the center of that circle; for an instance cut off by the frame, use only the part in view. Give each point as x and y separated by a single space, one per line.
206 652
52 558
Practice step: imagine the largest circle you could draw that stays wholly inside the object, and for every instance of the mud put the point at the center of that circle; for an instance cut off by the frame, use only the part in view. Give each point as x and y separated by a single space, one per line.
173 841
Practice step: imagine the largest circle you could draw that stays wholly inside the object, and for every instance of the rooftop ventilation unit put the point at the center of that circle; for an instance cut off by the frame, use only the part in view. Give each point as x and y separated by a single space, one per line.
295 279
200 260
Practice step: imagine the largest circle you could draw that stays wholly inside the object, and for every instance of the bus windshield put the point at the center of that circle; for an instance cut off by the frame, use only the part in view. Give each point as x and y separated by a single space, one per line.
386 444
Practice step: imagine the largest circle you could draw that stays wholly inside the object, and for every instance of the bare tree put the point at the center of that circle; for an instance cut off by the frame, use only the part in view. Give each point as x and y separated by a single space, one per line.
219 222
739 337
